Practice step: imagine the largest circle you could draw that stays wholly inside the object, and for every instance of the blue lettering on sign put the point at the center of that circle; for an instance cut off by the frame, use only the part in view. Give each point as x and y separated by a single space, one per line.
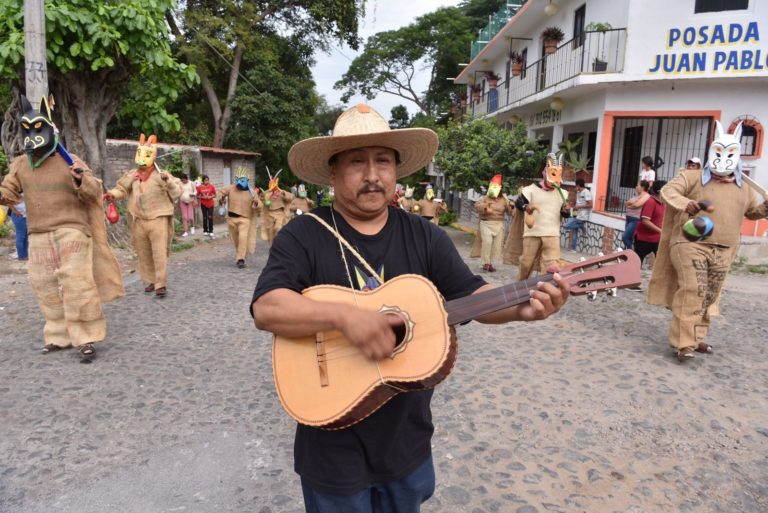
713 34
736 60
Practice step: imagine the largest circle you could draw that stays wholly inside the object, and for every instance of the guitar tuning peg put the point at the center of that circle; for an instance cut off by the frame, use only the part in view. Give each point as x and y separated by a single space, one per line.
592 296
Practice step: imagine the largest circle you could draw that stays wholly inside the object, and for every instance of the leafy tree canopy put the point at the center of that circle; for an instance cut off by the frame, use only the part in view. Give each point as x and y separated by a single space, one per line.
399 117
111 40
97 53
437 42
472 152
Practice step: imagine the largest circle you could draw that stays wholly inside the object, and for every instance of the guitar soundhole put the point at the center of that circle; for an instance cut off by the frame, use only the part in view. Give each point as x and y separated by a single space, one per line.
400 331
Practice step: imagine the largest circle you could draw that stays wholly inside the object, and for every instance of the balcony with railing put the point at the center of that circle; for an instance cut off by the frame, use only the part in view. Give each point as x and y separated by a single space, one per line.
590 53
496 22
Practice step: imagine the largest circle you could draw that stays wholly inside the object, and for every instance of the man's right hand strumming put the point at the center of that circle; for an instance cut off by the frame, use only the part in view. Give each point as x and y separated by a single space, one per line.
371 332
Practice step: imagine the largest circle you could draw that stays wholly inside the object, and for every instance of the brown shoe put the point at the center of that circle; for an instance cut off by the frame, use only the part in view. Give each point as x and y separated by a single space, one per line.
160 292
49 348
685 354
149 288
491 268
703 347
485 267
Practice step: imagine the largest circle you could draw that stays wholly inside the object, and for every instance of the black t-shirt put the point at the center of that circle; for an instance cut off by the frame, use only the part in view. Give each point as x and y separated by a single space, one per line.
394 440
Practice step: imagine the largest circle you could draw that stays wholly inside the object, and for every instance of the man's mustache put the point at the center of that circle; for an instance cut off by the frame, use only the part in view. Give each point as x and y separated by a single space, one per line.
370 188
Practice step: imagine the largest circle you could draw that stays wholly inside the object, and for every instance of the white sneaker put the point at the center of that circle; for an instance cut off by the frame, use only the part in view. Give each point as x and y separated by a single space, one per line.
184 234
192 231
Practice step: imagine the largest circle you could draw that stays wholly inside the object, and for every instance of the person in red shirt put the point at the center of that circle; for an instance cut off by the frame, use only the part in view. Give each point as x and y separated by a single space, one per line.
648 231
206 193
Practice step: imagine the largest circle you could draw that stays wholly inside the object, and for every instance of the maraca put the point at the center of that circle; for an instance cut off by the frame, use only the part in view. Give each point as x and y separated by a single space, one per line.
699 228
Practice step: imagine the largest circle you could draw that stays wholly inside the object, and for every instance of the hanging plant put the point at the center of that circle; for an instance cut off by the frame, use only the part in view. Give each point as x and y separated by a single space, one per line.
552 37
493 79
516 63
477 90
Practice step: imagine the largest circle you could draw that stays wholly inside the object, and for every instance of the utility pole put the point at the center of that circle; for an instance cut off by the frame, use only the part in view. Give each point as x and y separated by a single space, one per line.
35 67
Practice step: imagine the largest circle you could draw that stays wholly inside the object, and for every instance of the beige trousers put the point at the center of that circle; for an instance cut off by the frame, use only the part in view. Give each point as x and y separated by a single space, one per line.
492 233
550 254
238 233
150 241
273 221
61 274
701 271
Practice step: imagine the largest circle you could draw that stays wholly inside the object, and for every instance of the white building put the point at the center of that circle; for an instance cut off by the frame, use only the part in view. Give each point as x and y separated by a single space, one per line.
653 84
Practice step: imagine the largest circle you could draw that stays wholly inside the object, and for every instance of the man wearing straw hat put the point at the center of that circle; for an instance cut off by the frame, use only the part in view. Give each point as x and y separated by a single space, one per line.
384 462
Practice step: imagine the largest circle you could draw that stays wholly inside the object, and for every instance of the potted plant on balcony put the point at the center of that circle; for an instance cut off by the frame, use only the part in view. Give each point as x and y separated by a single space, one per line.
599 63
477 90
493 79
552 37
516 63
462 97
598 26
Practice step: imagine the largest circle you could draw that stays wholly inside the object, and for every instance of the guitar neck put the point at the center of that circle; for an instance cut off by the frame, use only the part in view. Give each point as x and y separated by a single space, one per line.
617 270
473 306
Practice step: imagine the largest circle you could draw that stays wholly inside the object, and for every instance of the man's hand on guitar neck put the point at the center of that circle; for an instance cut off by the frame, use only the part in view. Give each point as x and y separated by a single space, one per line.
545 301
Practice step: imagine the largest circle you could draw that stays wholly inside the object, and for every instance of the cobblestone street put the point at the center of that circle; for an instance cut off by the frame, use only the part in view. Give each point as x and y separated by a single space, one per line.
585 412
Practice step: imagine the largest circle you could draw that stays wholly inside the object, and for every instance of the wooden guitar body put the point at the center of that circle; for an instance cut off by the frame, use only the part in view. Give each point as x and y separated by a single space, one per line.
326 382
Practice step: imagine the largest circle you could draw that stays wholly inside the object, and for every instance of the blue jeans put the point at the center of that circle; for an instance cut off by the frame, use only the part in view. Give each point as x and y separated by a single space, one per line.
574 225
403 496
629 231
22 237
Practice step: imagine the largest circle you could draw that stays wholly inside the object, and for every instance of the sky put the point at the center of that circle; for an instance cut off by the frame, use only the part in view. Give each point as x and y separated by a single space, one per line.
380 15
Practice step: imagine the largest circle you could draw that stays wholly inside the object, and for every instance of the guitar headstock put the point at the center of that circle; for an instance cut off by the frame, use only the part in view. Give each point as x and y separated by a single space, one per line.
617 270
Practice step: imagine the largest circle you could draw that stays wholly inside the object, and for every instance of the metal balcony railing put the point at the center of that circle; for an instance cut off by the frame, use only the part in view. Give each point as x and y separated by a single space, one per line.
496 22
592 52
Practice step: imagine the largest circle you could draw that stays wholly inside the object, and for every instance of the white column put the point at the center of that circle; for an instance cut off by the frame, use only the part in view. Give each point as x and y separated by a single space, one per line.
557 137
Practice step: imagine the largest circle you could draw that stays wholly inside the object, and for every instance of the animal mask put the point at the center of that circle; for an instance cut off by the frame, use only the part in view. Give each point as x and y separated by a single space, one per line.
38 133
241 178
724 154
553 173
146 152
274 181
494 187
409 192
430 194
302 191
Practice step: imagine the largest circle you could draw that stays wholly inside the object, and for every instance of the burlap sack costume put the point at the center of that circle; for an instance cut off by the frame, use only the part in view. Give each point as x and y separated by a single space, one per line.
677 282
151 206
71 266
275 213
243 229
491 226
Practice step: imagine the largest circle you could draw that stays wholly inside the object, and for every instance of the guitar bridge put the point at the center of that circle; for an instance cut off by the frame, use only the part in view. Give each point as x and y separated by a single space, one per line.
322 362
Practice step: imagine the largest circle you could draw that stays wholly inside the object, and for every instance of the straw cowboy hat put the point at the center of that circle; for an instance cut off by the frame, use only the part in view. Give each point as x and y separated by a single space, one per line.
359 127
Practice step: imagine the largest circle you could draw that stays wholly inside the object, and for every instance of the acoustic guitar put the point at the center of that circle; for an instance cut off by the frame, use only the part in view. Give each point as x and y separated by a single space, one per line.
326 382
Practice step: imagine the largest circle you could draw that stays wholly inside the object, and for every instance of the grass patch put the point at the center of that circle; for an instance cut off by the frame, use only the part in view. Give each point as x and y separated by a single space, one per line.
178 247
758 269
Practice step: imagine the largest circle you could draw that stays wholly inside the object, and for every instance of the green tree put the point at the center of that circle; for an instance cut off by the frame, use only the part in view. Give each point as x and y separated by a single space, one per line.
472 152
326 115
276 107
437 41
95 49
216 34
399 117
